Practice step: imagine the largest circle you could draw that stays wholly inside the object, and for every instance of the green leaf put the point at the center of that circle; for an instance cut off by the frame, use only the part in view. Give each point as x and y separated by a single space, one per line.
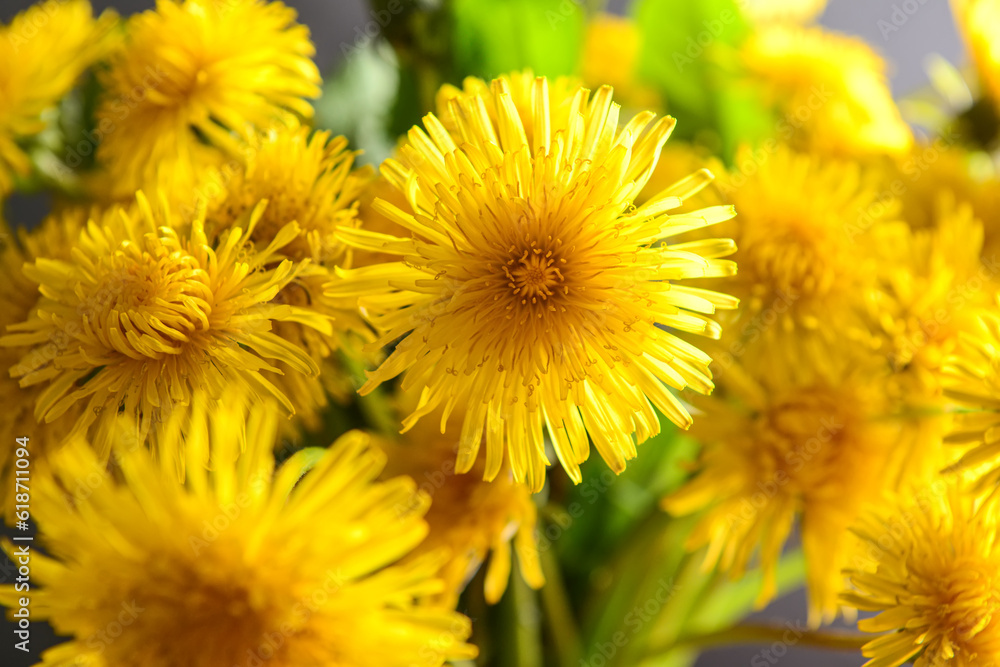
493 37
688 52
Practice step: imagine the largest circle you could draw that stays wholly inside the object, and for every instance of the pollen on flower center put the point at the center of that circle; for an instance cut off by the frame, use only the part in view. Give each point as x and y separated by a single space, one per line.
149 305
534 275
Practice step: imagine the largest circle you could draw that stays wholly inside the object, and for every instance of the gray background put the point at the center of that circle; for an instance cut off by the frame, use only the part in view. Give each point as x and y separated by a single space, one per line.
930 29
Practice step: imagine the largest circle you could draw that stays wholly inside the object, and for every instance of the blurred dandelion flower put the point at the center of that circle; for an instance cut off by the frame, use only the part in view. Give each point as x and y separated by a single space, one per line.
532 287
804 222
979 21
19 297
831 89
306 178
470 517
189 79
43 52
934 578
294 566
815 451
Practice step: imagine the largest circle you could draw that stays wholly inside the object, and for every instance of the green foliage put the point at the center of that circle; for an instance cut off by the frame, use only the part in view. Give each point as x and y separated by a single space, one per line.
688 53
497 36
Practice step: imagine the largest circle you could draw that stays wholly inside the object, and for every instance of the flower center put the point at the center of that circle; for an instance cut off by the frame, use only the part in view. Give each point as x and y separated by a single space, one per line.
534 275
149 304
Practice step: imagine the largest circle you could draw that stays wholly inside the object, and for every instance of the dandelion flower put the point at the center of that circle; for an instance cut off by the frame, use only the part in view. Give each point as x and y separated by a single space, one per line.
18 300
812 452
531 286
972 379
830 88
805 222
190 78
43 52
308 180
239 562
611 51
151 313
933 576
468 516
979 21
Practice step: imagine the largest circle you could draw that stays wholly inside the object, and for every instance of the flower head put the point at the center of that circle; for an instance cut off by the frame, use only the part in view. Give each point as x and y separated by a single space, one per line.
18 301
830 88
979 21
804 225
932 571
238 562
813 453
43 52
972 379
306 178
145 314
469 517
532 287
190 78
611 51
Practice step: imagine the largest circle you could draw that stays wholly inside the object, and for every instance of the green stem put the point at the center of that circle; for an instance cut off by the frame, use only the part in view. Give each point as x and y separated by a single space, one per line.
559 613
751 633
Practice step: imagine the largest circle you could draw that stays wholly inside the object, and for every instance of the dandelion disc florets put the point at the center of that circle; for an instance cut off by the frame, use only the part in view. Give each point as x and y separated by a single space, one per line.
142 315
532 285
931 568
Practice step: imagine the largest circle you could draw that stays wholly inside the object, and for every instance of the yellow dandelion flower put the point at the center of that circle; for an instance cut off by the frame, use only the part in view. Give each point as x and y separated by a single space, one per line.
43 52
931 282
308 180
979 21
610 57
305 179
972 379
192 75
933 574
18 300
520 87
804 223
240 561
785 11
147 314
813 452
469 517
830 88
532 286
372 220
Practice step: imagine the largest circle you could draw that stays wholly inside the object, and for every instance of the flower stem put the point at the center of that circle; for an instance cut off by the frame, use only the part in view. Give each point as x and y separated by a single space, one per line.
790 635
559 613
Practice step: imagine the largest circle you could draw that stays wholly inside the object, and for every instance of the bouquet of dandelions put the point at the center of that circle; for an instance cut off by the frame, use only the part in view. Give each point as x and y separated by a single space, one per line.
282 407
